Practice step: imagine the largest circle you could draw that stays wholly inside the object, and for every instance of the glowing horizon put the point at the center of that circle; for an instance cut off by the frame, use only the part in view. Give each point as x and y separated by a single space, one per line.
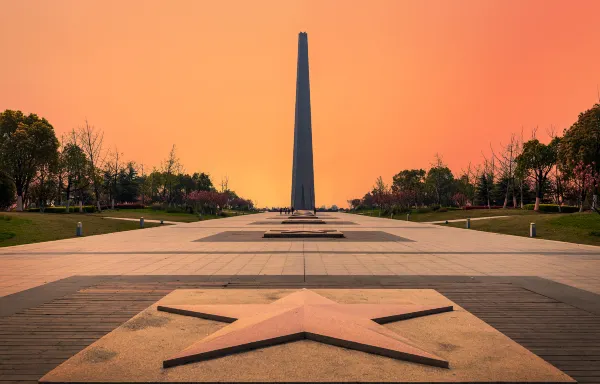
391 84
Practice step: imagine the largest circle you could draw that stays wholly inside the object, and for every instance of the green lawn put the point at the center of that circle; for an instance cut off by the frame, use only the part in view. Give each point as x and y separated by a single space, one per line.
455 214
581 228
28 227
151 214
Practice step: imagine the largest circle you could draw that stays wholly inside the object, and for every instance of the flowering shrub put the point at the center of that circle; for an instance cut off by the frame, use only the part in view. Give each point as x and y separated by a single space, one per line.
207 201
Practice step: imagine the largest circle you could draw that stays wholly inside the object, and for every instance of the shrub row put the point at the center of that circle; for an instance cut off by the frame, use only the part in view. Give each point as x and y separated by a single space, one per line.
469 207
129 206
86 208
553 208
72 208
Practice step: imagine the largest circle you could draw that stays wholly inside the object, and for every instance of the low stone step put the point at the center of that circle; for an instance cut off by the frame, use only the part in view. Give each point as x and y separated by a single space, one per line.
317 233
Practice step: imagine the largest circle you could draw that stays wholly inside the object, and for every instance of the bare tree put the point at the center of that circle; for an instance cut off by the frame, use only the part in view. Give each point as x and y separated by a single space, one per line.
489 172
91 141
171 167
506 161
225 183
558 176
113 169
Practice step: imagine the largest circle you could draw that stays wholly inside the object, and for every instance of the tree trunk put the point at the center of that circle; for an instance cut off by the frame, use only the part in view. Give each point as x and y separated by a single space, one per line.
521 187
68 194
19 203
80 206
595 201
97 193
506 195
537 204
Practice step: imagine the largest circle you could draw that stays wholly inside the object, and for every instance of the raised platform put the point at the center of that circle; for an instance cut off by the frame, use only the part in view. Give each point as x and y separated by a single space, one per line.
304 221
304 217
475 351
317 233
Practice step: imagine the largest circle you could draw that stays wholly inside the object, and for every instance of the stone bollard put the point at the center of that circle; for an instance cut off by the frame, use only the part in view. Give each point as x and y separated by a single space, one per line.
532 230
408 217
79 231
141 222
392 216
468 223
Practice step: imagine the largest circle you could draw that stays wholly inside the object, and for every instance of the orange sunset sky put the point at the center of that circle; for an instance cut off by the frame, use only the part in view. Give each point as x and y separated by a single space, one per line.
392 82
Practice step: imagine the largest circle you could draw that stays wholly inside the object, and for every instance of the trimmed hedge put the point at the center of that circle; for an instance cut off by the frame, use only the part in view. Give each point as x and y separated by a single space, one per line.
553 208
72 208
469 207
129 206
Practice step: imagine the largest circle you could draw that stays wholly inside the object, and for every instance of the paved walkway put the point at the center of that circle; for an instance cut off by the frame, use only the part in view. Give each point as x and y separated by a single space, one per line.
172 250
145 220
459 220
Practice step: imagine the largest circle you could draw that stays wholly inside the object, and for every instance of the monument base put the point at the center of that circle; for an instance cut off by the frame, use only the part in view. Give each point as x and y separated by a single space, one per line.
316 233
476 352
304 221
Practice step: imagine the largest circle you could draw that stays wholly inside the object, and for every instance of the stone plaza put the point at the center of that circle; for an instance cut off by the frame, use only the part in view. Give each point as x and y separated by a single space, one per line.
59 297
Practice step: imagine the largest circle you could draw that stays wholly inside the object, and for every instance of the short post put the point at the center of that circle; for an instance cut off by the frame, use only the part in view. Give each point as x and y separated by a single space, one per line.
79 231
162 222
391 216
468 223
408 217
141 222
532 230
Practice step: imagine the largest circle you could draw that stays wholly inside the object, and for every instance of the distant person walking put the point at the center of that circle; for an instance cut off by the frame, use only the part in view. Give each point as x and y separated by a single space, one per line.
280 211
315 209
292 210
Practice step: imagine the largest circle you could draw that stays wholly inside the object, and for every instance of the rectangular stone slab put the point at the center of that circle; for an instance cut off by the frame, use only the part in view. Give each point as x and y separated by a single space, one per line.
323 234
134 352
304 221
303 217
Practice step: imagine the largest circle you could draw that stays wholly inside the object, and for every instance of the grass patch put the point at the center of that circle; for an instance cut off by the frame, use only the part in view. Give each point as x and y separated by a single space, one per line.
581 228
18 228
152 214
454 214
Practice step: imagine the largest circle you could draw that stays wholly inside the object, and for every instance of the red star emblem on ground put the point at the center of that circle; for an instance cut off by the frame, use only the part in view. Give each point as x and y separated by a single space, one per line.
305 315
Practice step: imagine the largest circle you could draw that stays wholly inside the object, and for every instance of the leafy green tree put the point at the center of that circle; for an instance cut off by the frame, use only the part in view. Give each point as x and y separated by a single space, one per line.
581 145
536 161
411 181
203 182
27 143
73 163
463 186
440 182
128 184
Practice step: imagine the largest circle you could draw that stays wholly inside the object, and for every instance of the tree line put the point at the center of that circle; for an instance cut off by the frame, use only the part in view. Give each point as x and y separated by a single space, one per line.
565 172
37 169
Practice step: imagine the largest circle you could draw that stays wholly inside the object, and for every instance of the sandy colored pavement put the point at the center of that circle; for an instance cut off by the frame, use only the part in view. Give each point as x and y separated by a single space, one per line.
173 250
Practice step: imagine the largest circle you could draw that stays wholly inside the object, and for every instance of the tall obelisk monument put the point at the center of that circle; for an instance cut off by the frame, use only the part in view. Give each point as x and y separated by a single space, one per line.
303 178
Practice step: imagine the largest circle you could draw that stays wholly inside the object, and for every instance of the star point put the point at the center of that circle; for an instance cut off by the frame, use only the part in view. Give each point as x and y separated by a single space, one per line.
305 315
